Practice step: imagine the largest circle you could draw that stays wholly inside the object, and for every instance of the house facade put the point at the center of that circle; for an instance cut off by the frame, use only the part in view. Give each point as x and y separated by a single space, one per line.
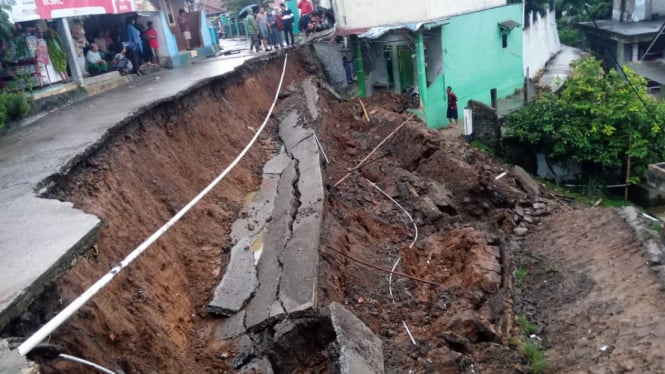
628 36
473 46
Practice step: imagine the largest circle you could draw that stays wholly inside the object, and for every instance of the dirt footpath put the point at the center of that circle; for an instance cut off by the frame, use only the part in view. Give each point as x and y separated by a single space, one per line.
601 305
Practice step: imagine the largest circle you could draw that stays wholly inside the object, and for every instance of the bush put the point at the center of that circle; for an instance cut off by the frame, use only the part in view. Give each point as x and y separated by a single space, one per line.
570 36
603 120
3 116
16 105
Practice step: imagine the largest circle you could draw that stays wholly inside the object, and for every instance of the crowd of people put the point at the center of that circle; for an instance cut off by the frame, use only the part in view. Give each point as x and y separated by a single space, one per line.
271 30
134 47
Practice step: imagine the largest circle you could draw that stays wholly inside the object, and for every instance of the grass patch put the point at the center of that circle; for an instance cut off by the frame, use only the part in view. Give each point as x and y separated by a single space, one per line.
520 275
533 353
526 325
655 226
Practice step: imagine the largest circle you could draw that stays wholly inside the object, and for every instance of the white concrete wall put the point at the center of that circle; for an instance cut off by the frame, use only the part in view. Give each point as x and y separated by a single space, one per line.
638 10
355 14
541 42
658 7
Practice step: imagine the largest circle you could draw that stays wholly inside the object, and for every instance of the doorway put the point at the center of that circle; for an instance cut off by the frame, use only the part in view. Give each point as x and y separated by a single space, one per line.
405 67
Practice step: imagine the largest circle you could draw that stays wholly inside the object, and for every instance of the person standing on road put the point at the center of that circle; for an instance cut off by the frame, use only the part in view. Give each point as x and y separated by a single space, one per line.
452 107
264 28
183 23
151 34
134 45
287 24
253 32
305 10
276 26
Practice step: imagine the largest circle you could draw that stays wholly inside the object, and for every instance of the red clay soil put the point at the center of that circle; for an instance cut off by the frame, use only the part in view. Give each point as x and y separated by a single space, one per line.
460 325
152 317
600 311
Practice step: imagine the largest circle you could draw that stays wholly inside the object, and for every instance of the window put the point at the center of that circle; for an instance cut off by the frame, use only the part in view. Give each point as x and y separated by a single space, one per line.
168 11
504 40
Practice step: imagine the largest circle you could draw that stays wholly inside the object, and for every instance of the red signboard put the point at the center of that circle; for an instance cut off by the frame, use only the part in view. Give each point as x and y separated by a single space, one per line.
49 9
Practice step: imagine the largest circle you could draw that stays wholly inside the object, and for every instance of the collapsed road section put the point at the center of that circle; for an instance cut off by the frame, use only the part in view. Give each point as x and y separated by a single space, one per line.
302 259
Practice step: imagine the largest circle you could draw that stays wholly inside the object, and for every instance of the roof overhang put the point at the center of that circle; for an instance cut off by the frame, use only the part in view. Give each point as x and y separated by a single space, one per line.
508 25
378 31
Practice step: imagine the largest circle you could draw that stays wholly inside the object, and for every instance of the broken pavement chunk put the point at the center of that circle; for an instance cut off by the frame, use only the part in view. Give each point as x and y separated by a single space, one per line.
238 284
360 351
528 184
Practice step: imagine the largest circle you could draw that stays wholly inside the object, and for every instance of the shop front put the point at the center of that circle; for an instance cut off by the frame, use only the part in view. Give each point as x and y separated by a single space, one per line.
51 38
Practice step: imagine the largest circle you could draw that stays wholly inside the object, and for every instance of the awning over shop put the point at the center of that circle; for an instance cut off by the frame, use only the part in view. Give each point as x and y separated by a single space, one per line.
28 10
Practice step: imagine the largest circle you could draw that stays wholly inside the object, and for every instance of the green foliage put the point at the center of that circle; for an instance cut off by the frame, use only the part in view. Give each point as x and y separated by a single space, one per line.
15 104
569 35
528 327
533 353
598 120
6 27
572 11
569 12
520 276
3 117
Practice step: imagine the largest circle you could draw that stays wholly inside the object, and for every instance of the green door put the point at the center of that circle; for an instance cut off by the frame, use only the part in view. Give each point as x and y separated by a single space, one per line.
405 67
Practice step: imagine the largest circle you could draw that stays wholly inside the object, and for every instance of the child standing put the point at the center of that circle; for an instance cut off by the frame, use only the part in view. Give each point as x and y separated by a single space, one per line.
151 34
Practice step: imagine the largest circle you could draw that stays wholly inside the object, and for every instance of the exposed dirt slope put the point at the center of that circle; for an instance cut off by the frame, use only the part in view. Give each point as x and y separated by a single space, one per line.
602 306
463 323
587 288
152 318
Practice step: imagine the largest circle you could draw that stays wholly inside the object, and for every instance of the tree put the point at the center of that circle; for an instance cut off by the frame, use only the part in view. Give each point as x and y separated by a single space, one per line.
569 12
604 120
6 27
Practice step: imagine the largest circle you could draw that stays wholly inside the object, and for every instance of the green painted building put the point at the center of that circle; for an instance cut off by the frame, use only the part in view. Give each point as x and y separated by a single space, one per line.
472 52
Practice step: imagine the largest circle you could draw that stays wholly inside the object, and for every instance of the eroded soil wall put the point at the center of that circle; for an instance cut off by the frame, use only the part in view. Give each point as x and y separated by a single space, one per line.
151 318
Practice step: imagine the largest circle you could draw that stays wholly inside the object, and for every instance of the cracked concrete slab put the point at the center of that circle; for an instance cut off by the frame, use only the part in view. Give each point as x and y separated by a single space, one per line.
240 278
312 97
287 270
360 350
300 261
291 133
265 305
256 214
239 281
277 164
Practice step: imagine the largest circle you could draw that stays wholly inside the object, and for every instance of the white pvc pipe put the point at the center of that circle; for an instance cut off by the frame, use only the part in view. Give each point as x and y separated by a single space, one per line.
87 363
75 305
399 258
